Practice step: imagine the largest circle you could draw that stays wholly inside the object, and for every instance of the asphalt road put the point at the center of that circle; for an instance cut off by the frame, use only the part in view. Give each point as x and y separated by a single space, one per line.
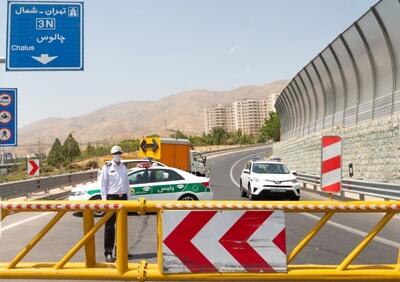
330 246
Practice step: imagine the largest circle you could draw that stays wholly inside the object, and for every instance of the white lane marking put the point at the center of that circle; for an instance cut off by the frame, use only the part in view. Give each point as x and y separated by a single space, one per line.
354 231
238 151
231 172
15 224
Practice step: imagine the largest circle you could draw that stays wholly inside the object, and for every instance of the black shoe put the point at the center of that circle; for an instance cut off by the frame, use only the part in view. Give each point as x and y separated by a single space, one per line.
110 258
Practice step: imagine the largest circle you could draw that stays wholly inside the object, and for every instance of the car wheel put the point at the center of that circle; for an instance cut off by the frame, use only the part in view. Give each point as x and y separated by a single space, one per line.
249 194
188 197
97 213
243 193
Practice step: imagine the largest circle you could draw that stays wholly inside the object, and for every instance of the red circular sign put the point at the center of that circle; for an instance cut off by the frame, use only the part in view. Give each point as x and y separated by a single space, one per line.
5 99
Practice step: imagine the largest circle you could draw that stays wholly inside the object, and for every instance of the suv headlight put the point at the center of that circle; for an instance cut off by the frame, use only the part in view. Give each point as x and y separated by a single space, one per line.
256 179
293 180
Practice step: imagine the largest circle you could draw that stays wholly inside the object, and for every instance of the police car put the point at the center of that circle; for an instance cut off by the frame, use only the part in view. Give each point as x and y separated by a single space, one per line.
154 183
265 179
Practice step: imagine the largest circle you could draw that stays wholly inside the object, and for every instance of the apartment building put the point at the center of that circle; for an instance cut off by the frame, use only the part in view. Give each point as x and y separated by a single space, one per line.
230 119
215 116
247 115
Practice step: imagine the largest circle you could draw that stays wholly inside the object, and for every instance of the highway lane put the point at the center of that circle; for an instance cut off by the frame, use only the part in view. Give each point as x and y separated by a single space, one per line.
334 241
220 171
330 246
18 229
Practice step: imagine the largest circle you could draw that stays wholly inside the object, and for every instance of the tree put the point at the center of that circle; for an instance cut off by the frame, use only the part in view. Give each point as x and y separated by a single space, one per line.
219 135
196 140
271 127
129 145
154 135
56 156
90 150
178 135
102 150
71 149
246 139
234 137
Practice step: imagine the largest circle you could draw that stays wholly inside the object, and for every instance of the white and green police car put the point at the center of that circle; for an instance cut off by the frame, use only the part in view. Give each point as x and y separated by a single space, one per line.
154 183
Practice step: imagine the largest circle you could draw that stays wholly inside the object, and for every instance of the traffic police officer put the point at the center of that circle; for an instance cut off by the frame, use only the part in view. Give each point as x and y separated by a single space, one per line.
114 186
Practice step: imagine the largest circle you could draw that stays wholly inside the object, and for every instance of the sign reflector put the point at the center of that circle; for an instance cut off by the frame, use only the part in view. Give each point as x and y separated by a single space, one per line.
33 168
8 117
223 241
150 148
331 164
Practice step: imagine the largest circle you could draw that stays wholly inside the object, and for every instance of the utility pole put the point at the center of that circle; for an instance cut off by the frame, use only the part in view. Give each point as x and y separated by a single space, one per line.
2 61
40 149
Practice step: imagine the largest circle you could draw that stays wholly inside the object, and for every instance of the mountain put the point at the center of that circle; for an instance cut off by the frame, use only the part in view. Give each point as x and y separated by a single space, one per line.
139 118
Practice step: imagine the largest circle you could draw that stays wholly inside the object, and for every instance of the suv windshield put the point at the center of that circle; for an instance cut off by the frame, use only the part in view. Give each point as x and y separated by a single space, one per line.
270 168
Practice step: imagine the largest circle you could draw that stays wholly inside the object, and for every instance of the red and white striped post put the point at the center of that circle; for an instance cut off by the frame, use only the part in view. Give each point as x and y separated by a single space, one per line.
331 164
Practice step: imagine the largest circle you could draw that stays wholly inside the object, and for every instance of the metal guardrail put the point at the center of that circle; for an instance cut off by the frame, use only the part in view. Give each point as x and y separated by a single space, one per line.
244 147
26 187
387 191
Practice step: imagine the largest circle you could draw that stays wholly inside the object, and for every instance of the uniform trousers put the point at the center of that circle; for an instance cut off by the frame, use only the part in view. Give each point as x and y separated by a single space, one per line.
109 230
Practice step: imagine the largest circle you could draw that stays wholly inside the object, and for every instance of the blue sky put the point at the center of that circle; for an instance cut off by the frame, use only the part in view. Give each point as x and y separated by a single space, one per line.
146 50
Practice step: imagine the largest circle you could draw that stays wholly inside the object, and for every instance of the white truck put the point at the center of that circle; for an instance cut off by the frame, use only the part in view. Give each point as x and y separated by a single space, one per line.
179 153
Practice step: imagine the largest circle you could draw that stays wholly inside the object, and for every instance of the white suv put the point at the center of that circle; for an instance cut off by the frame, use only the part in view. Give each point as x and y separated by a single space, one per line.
261 179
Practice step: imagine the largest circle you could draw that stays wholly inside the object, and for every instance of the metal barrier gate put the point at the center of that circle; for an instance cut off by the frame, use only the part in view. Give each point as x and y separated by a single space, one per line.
123 270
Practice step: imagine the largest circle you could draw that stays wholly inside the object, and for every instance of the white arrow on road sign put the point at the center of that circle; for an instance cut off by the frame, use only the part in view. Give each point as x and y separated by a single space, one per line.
44 58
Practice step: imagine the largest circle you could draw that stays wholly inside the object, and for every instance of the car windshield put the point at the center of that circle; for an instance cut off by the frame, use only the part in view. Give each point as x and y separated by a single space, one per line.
270 168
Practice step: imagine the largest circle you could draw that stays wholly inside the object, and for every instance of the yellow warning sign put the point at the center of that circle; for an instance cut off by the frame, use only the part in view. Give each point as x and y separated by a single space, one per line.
150 148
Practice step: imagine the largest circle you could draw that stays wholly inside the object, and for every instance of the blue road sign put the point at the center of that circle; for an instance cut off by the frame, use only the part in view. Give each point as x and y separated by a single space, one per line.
44 36
8 117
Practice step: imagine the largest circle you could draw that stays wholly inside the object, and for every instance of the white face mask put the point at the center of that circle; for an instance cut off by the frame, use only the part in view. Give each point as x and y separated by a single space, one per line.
116 158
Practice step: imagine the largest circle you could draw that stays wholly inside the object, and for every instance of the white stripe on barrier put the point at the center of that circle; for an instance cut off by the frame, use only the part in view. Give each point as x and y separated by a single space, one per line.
59 206
313 207
210 205
331 151
268 231
331 177
213 231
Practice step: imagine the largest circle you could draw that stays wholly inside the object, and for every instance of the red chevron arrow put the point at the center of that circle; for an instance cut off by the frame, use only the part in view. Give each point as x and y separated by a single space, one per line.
33 167
280 241
179 241
235 241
